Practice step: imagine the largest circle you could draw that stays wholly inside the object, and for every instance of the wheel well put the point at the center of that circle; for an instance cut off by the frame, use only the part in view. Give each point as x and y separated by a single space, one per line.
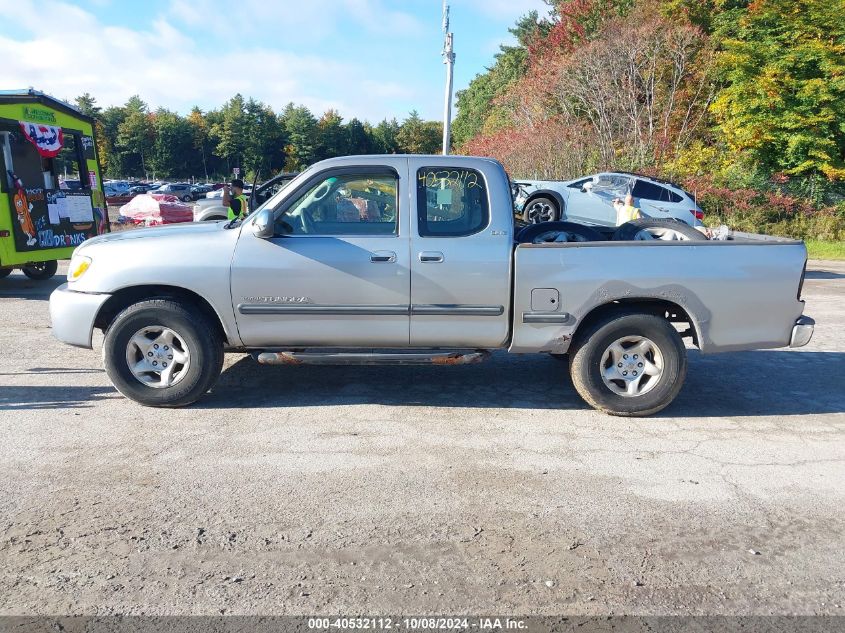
125 297
545 193
672 312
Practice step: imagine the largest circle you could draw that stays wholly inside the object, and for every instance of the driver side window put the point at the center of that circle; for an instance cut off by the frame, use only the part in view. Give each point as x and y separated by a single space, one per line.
348 204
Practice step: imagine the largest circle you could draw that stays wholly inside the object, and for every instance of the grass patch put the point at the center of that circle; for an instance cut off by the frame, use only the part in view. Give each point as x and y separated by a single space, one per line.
818 249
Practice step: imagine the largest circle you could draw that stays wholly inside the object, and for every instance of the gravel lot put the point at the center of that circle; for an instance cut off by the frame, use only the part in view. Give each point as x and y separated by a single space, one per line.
478 489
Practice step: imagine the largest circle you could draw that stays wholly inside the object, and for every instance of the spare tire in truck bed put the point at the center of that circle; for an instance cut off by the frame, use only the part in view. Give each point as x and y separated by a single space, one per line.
657 229
549 232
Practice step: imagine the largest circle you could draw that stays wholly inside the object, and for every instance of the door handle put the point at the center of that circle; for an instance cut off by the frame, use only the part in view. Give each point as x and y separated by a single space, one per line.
431 257
383 257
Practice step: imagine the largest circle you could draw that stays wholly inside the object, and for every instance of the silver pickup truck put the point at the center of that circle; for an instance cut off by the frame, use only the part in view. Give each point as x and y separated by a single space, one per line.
412 259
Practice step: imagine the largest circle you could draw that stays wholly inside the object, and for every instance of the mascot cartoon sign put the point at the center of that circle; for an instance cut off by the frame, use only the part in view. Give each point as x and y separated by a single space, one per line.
23 209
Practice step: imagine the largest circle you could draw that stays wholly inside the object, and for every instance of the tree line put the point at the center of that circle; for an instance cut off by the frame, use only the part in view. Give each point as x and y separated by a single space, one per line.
746 90
135 141
742 101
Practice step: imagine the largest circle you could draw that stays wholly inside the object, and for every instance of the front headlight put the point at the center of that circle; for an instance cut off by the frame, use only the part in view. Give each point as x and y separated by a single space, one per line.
78 265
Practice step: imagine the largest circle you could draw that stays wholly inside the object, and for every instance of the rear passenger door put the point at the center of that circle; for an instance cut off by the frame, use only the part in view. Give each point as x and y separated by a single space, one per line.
461 243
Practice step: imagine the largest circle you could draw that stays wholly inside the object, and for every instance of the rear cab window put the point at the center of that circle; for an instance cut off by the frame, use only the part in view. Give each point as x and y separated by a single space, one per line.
451 202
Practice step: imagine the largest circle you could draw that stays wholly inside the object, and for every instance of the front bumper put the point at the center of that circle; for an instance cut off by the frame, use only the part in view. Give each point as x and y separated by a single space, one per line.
72 315
802 331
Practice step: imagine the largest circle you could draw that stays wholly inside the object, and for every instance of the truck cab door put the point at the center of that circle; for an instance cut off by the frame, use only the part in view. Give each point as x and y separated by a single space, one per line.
461 245
336 272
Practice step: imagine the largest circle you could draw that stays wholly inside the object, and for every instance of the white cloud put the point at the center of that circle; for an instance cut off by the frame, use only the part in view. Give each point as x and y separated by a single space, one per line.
168 68
296 21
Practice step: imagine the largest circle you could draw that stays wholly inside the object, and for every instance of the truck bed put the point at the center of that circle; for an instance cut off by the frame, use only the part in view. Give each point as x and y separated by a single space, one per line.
741 293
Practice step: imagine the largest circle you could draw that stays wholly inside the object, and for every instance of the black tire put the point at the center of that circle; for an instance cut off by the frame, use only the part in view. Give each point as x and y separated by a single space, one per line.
541 209
186 198
214 218
40 270
587 366
5 272
669 228
558 232
198 335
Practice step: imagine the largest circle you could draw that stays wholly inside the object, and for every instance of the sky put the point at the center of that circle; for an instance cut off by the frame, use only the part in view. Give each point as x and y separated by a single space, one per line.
369 59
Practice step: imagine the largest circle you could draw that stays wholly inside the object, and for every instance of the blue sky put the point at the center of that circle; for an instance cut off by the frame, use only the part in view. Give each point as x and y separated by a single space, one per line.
366 58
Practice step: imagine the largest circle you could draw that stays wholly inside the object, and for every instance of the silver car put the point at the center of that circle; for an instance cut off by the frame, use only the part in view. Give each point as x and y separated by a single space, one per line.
590 199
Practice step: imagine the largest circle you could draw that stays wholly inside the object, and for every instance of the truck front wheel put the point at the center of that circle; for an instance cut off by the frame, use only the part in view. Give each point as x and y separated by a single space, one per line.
163 353
629 364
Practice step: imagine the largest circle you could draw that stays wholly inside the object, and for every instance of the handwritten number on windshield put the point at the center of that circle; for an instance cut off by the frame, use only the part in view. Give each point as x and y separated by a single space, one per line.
454 179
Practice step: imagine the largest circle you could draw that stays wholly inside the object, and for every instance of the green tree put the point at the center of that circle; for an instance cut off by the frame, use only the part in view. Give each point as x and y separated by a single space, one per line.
264 141
331 140
358 141
783 104
173 148
301 128
88 105
231 132
419 137
384 137
199 135
135 137
111 158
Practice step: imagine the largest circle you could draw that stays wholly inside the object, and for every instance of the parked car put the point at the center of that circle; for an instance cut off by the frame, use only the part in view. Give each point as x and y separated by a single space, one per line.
412 259
120 186
589 199
211 207
112 191
139 189
181 190
199 190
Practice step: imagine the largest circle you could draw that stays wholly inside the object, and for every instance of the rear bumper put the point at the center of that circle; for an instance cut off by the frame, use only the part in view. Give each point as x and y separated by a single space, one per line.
72 315
802 331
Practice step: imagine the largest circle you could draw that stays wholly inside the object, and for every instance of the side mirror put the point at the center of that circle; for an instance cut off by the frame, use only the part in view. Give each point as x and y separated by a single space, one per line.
262 225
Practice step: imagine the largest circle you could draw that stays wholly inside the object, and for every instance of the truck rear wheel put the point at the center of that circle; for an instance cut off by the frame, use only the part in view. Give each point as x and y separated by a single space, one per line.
5 272
163 353
628 364
40 271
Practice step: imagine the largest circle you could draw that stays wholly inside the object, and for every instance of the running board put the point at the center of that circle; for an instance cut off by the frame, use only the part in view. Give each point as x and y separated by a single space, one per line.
370 358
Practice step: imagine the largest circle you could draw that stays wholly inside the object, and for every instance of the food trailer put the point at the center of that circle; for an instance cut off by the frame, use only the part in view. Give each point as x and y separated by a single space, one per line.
51 190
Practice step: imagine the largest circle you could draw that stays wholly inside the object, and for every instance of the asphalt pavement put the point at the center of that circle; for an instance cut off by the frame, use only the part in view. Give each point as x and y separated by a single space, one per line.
476 489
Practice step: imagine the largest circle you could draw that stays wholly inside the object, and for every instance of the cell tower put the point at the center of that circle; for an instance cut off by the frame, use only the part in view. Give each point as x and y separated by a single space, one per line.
449 60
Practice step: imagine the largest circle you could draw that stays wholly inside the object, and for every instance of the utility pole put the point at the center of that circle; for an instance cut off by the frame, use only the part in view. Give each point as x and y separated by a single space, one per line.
449 60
